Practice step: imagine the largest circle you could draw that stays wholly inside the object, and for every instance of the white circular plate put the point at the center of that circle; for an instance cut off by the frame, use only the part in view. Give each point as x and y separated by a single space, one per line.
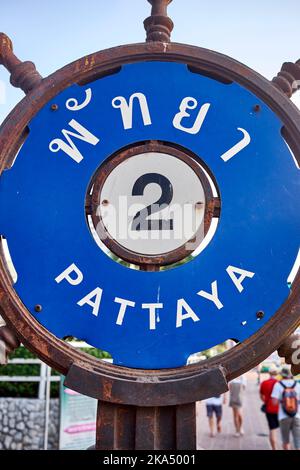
153 203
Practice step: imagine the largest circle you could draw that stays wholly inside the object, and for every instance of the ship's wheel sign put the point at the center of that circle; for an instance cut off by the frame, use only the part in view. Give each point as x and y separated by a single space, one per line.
159 209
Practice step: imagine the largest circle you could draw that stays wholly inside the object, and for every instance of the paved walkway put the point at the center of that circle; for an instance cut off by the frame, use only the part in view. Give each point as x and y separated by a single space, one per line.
255 424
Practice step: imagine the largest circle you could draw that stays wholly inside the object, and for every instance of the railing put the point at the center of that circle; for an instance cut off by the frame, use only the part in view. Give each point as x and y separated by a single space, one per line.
45 371
41 378
44 379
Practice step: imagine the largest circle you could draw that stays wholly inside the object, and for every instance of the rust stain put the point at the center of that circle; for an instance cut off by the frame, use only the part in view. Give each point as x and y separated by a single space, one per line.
107 389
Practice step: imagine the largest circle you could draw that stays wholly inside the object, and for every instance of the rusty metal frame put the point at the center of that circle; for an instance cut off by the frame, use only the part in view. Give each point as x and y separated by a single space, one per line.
212 205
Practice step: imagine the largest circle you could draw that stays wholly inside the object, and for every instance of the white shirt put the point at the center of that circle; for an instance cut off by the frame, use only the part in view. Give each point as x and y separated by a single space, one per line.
216 401
278 392
240 380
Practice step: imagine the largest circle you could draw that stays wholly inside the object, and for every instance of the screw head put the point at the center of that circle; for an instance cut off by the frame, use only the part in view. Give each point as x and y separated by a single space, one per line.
260 314
256 108
38 308
54 107
105 202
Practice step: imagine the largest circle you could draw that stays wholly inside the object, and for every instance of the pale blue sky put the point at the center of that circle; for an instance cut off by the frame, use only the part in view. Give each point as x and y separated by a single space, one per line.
52 33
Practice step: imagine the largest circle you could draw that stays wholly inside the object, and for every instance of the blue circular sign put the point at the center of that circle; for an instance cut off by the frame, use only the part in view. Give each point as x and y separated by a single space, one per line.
153 319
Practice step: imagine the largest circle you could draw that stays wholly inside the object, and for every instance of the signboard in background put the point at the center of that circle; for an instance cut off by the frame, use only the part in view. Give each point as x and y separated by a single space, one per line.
77 420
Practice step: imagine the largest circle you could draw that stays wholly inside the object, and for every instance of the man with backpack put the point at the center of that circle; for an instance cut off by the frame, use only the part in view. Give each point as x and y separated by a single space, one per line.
286 393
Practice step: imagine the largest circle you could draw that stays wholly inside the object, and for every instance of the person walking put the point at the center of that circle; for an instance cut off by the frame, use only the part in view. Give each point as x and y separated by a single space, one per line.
214 407
269 407
236 391
286 394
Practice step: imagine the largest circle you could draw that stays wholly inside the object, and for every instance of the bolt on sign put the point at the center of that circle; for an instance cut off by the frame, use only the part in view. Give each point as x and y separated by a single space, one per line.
150 205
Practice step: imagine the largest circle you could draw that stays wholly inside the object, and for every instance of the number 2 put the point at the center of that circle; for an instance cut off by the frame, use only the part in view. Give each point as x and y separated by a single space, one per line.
140 220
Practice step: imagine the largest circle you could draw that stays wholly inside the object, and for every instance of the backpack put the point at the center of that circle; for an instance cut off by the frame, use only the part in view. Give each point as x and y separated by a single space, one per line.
289 400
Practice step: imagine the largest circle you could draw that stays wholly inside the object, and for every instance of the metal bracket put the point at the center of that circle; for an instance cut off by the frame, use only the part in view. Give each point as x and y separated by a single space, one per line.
146 413
151 390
